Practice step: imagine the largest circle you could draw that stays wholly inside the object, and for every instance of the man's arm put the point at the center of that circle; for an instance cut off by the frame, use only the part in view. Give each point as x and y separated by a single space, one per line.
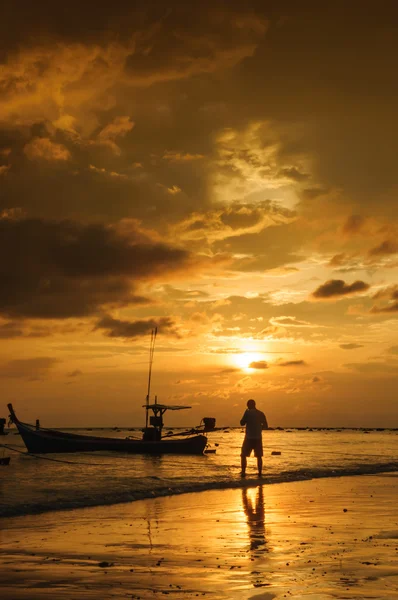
243 420
264 422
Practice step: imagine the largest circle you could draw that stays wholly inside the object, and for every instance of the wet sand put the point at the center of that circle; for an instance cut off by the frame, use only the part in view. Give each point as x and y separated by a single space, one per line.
315 540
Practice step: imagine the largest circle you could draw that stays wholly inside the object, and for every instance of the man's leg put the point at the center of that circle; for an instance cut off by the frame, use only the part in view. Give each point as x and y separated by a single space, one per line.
243 464
260 465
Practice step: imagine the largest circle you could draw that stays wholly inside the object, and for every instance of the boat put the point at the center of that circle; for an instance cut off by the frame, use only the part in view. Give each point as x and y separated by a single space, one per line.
44 441
39 440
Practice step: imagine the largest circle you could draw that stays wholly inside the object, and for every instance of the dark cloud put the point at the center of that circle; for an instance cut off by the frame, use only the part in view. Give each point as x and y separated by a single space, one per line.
153 20
135 329
390 308
326 96
65 269
390 292
373 367
389 299
293 173
10 330
189 40
241 216
385 248
313 193
351 346
335 288
291 363
338 260
393 350
268 249
75 373
354 224
19 329
258 364
28 368
179 295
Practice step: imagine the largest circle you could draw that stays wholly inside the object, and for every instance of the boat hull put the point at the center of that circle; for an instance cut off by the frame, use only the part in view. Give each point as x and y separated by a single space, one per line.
47 441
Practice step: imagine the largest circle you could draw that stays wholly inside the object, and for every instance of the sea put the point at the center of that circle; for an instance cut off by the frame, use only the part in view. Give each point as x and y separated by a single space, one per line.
33 484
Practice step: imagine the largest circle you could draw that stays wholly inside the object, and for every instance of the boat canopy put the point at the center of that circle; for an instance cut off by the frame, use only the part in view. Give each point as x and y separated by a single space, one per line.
164 406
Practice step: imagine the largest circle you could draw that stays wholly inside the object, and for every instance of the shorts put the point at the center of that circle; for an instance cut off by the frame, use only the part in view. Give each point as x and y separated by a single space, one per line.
252 444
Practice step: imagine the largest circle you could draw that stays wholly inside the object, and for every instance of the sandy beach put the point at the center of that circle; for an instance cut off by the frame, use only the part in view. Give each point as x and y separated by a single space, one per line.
319 539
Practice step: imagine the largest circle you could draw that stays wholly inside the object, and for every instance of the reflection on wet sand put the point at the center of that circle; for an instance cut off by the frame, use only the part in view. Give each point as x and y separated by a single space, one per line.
253 506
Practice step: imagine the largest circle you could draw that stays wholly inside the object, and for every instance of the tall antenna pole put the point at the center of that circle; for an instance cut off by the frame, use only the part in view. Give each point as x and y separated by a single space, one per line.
151 352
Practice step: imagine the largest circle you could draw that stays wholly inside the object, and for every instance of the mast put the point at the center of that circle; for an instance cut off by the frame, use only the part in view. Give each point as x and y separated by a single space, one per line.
151 352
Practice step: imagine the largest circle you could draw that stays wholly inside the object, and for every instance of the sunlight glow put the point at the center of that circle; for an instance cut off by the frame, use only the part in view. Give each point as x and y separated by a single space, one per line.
244 359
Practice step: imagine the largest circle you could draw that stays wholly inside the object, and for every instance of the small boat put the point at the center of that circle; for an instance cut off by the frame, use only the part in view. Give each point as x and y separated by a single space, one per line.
44 441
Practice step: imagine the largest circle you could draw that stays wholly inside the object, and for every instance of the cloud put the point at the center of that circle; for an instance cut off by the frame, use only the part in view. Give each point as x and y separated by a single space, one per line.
75 373
291 363
338 260
226 225
66 70
390 297
351 346
393 350
45 149
119 127
249 167
289 322
181 157
4 170
334 288
135 329
293 173
225 350
354 224
61 269
258 364
104 172
385 248
228 370
185 43
174 189
373 367
10 330
28 368
25 329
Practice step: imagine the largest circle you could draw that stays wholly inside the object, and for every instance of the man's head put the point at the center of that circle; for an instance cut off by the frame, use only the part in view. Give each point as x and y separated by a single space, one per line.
251 403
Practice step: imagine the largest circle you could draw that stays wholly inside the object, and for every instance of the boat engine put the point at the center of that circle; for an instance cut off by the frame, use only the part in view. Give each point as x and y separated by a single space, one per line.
209 423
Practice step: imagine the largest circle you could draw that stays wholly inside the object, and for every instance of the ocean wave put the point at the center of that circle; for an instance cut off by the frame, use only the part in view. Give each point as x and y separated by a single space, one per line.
167 488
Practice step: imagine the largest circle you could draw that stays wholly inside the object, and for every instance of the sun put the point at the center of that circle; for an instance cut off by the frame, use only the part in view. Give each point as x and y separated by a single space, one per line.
244 359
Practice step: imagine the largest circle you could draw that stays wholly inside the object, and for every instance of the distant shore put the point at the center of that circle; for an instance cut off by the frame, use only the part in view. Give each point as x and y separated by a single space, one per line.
323 539
222 428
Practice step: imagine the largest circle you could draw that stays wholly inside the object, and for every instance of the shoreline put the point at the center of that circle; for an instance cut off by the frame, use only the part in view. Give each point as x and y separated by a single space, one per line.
324 537
236 483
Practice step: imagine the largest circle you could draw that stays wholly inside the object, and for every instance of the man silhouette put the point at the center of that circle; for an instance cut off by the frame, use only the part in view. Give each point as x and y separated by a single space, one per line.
255 421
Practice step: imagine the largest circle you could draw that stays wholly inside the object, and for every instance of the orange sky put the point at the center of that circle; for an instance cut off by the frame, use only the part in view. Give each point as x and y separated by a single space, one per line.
225 171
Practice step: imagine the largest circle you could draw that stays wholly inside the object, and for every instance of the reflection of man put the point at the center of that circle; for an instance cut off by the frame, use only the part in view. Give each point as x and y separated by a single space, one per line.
255 517
255 421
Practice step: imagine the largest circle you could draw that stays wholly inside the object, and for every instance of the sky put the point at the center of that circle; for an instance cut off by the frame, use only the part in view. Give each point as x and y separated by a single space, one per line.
224 171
